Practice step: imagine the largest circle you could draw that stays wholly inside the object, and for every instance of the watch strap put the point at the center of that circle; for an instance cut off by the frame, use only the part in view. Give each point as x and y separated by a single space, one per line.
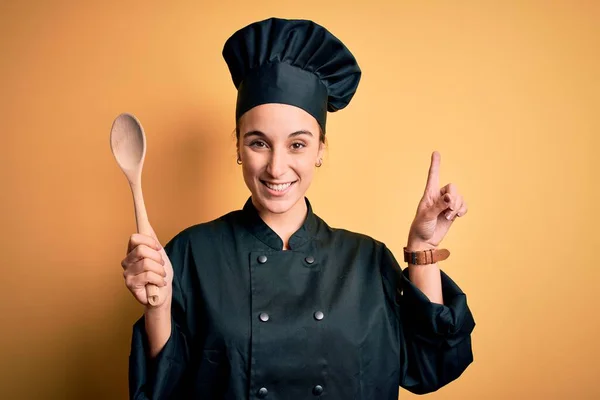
424 257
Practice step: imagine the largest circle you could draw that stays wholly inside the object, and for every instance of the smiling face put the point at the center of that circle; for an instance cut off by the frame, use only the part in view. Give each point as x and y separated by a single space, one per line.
279 145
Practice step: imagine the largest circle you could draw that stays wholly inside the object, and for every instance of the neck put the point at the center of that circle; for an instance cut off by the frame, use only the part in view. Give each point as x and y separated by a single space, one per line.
287 223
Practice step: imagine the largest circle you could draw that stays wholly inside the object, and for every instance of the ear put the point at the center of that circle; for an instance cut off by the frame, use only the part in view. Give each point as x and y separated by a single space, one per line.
321 150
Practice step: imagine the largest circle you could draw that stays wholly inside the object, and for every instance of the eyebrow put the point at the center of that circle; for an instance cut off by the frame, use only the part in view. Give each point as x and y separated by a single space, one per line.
264 136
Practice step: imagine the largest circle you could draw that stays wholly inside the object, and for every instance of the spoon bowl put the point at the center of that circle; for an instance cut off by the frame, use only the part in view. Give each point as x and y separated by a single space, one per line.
128 142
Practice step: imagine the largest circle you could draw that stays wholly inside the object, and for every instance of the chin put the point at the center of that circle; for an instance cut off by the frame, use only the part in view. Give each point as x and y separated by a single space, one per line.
276 205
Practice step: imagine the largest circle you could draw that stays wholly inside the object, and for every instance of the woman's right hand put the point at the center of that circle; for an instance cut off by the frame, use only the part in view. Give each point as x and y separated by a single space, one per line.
146 262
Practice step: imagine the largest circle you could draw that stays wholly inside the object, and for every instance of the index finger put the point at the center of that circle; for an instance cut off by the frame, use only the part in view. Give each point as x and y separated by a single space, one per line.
433 178
137 239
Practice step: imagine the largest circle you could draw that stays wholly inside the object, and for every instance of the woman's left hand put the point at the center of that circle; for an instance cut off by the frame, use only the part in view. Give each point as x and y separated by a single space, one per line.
436 212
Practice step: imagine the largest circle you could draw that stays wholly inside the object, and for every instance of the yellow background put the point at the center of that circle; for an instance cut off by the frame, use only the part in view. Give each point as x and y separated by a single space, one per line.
508 92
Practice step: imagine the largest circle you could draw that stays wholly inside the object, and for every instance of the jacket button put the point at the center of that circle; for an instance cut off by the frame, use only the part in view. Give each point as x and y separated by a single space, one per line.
262 392
262 259
319 315
309 259
317 390
263 316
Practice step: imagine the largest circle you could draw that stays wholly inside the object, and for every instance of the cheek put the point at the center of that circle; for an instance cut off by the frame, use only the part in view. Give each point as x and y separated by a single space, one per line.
252 167
306 169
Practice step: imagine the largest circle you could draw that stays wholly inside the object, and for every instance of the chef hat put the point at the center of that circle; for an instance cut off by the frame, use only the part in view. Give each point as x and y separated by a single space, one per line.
296 62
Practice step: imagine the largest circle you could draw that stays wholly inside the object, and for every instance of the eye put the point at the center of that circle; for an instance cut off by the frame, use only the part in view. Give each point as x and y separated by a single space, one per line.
258 143
298 145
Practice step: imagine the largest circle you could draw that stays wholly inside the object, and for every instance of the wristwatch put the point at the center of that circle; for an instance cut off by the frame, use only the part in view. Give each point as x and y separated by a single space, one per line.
424 257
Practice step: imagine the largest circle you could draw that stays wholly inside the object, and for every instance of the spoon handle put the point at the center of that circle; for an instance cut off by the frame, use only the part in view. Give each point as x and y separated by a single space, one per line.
144 227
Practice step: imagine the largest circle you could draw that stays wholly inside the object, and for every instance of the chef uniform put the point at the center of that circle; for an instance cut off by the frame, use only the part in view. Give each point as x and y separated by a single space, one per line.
332 317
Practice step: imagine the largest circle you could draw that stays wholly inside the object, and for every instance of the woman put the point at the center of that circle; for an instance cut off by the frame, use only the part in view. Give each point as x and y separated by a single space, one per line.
271 302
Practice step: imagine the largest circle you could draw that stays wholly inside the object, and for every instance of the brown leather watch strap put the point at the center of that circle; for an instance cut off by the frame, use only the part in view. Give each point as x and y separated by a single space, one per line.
425 256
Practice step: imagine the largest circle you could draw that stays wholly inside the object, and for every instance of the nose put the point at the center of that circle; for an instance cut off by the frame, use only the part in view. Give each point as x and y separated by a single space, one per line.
277 163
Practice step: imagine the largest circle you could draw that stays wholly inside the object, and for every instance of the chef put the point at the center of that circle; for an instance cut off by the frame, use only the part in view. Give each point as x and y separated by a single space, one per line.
269 301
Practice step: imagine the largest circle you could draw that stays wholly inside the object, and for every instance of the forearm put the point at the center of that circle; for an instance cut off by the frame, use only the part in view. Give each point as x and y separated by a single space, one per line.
426 277
158 358
158 328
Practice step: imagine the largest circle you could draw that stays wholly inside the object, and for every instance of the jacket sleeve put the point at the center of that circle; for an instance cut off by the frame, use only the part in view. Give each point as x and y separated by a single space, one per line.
434 339
161 377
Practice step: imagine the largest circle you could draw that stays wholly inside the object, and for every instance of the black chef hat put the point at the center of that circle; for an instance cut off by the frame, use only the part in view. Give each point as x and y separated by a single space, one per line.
296 62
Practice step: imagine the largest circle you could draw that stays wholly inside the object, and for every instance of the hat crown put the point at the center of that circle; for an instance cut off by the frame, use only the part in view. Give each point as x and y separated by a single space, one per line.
300 43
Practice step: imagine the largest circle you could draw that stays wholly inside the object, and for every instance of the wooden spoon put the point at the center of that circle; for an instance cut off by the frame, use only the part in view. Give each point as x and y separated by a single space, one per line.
128 145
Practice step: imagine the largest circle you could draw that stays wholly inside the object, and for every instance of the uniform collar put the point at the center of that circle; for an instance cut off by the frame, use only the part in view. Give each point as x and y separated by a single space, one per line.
265 234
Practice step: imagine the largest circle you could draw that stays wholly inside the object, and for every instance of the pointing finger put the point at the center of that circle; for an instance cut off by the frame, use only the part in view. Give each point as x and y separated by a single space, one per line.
433 178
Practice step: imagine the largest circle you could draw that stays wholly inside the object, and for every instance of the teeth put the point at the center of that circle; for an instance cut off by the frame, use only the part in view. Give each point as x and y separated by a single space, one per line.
278 188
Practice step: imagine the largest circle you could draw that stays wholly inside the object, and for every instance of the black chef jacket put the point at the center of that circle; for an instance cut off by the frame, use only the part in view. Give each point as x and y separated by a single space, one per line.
333 317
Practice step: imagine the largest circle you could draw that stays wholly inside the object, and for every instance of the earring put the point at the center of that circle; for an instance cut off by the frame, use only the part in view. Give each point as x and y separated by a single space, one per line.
239 160
319 163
